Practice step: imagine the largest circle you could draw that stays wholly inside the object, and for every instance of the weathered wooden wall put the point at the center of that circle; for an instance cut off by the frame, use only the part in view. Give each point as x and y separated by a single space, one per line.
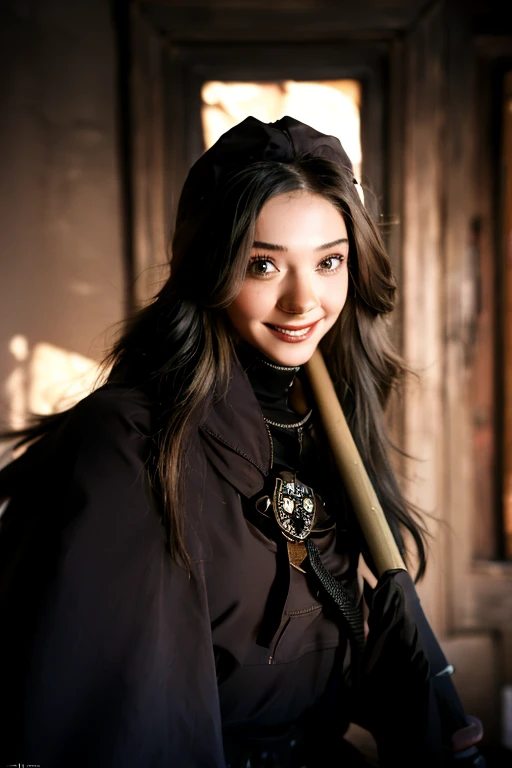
439 286
62 272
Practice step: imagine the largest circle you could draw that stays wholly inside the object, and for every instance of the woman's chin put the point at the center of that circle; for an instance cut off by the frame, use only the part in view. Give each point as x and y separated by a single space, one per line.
283 353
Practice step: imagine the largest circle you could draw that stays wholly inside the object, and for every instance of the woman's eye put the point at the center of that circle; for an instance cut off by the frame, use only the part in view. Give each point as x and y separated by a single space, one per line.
331 263
260 267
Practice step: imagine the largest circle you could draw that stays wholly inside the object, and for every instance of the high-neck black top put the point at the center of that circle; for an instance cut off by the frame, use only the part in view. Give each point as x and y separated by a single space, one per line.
272 384
286 673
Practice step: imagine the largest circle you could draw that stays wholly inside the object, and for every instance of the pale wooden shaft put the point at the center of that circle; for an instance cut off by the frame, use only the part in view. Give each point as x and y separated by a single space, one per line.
371 518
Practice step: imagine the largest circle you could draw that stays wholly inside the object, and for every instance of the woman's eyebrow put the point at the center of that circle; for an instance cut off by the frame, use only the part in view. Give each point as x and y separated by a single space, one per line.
331 245
268 246
274 247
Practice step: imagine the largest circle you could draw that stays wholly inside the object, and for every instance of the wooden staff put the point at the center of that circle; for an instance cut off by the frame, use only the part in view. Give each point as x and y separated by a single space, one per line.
373 523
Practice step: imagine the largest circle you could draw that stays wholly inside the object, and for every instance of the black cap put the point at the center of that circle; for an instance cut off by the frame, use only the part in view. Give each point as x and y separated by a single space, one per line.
252 141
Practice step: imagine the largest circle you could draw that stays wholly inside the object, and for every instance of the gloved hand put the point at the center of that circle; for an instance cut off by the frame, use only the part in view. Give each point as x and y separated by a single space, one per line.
406 699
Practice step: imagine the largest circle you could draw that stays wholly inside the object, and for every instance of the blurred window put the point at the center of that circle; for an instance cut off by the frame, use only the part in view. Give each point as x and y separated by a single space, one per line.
329 106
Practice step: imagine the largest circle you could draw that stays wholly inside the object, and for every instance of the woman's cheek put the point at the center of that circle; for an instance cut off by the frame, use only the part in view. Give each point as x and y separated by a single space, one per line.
254 300
338 297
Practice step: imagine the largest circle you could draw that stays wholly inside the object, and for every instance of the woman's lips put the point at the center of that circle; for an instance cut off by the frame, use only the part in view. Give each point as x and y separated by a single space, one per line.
292 334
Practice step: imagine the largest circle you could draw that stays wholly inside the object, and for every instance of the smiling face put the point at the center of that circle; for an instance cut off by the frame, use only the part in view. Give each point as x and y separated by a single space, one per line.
297 278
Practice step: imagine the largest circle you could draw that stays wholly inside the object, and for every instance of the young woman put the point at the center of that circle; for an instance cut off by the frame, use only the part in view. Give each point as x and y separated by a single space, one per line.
160 605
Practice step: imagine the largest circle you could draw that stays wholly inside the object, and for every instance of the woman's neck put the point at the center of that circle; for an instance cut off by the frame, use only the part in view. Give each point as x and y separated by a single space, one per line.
275 386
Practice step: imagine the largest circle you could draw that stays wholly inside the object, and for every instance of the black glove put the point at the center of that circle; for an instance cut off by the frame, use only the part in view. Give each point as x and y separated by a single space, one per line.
406 699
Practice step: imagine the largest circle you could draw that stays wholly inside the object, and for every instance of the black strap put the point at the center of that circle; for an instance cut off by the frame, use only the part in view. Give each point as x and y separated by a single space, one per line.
350 613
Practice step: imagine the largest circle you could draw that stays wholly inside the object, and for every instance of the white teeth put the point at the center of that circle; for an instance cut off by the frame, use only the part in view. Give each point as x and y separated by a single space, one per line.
302 332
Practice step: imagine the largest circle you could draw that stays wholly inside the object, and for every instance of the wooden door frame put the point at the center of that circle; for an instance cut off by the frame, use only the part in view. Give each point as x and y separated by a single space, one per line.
491 578
165 82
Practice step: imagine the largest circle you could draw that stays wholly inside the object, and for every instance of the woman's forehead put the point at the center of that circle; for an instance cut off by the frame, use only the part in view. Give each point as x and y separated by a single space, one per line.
299 217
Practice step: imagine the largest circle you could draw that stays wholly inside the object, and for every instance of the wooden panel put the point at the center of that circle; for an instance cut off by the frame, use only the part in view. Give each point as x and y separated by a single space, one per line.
284 19
149 248
391 227
489 603
506 166
439 284
276 61
460 312
488 387
483 381
422 290
62 279
490 584
475 658
403 9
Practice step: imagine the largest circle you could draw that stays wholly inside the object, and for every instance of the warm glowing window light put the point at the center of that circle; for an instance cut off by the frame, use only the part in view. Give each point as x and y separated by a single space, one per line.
330 106
46 379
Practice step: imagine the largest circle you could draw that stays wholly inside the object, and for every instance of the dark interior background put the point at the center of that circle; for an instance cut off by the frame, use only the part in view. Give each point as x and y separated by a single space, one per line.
99 122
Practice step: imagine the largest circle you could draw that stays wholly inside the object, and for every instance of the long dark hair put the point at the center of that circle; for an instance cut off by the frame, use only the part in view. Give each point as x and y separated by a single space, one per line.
180 350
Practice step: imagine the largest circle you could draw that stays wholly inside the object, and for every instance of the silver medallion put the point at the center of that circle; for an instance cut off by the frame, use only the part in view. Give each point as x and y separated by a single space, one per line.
294 508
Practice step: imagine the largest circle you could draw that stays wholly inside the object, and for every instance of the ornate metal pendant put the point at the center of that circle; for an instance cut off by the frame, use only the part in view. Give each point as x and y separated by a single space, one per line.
294 509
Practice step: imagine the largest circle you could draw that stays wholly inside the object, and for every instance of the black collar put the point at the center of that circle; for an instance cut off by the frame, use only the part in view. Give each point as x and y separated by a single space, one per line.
271 383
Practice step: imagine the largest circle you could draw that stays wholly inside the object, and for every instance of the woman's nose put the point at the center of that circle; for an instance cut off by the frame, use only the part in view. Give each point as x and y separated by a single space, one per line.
299 297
